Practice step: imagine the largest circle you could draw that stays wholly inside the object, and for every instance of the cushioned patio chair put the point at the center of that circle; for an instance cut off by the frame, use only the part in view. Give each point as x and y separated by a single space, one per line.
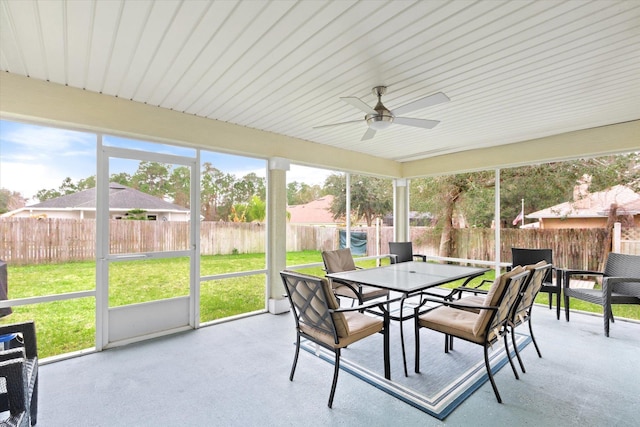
522 307
620 285
341 260
524 304
484 327
320 319
25 350
521 256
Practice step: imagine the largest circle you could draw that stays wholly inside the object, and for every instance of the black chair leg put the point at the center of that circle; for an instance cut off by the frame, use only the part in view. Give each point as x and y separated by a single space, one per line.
336 370
506 348
558 305
533 338
513 340
493 383
295 359
566 307
417 358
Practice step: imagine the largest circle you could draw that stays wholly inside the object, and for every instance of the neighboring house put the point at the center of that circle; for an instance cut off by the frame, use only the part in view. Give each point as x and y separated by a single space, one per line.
122 199
315 212
589 210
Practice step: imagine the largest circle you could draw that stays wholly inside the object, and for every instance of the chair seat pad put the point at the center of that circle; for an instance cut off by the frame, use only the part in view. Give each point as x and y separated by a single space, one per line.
471 300
368 292
360 326
452 321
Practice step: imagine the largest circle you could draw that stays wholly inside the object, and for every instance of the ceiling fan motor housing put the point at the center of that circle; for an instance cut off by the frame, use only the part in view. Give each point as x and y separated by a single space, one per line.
383 118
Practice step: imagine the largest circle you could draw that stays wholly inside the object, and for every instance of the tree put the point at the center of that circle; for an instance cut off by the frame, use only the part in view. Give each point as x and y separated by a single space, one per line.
215 194
10 200
299 193
179 186
371 197
152 178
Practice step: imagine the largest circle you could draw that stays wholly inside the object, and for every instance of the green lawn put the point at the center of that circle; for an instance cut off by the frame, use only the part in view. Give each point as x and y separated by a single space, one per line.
65 326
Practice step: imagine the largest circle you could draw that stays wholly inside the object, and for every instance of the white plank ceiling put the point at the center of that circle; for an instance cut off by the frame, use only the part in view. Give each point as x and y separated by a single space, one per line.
514 70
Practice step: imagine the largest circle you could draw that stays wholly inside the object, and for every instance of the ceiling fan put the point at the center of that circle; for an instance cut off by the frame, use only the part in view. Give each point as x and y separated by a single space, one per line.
380 117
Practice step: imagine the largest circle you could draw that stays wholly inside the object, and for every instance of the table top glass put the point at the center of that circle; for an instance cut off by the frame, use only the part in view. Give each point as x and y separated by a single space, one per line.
410 276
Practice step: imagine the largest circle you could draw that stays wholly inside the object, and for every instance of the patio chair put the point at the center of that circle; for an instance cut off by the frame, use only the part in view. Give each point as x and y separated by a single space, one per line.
484 328
25 351
341 260
521 256
524 304
620 285
403 252
320 319
522 307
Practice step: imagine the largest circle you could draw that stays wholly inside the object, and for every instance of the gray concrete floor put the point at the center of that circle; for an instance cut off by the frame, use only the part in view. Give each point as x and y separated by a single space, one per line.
236 374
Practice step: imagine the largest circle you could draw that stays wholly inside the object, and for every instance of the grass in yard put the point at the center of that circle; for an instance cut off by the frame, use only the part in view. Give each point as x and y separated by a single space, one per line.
66 326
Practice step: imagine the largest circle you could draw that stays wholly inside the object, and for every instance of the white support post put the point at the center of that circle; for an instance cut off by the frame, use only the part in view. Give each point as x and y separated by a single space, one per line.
276 232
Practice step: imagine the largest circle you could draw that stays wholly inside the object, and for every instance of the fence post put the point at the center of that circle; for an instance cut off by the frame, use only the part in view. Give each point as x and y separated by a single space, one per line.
617 237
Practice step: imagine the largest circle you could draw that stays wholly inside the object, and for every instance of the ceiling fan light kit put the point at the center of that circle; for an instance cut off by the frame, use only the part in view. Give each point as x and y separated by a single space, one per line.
380 117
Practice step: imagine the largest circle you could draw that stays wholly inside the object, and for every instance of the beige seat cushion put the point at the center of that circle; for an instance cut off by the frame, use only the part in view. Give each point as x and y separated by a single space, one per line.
452 321
368 292
360 326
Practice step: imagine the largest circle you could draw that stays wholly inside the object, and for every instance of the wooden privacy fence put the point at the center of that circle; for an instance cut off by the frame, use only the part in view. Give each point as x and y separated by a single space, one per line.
32 241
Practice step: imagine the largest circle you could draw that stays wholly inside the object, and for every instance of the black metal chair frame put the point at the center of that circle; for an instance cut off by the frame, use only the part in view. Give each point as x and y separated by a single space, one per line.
495 323
620 285
325 323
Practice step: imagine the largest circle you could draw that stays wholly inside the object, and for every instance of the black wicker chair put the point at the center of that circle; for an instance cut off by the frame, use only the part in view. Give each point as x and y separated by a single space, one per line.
620 285
24 351
319 319
532 256
403 252
484 327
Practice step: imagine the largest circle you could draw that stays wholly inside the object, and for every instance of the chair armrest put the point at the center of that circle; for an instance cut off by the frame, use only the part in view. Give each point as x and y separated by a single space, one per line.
608 282
28 331
422 257
13 371
568 273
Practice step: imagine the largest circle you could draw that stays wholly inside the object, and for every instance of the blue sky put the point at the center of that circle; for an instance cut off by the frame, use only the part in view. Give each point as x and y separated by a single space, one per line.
34 157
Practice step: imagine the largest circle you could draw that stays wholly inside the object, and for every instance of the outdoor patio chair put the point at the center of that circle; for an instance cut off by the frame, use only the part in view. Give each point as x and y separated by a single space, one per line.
25 351
320 319
524 304
521 256
522 307
484 327
341 260
620 285
403 252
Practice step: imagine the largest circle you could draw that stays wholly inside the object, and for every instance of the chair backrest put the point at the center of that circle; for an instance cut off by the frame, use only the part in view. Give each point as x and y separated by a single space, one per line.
622 265
403 251
520 256
311 298
338 261
502 294
531 287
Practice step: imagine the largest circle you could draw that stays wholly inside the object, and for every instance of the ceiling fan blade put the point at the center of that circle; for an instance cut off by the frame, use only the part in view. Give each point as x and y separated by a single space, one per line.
338 124
370 133
428 101
359 104
419 123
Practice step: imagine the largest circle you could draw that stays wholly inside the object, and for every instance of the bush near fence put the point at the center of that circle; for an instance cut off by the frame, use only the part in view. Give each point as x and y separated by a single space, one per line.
33 241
